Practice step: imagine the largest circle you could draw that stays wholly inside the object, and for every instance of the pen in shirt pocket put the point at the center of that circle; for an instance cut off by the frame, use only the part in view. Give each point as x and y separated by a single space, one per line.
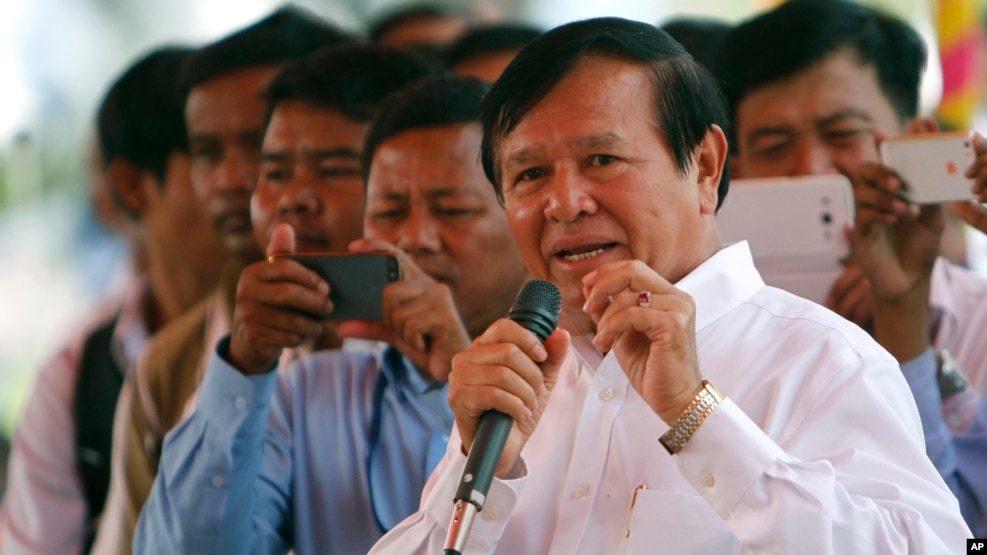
630 509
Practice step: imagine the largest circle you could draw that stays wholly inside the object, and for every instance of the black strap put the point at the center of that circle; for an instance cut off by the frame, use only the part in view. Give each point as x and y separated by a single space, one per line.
96 392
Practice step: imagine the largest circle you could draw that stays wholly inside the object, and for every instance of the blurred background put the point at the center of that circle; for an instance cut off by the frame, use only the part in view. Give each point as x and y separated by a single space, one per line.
56 57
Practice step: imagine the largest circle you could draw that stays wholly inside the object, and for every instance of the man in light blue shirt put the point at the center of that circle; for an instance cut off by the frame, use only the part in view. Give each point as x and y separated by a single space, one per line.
330 452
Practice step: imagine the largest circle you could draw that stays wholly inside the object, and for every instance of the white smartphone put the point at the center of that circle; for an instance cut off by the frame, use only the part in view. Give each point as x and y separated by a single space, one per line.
795 228
932 165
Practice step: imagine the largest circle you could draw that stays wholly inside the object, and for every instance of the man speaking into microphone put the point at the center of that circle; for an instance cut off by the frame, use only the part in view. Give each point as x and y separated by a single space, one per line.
684 406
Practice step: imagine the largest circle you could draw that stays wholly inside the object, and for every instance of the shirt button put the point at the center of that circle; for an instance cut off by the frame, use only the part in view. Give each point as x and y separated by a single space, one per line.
606 394
707 480
490 514
217 481
582 490
240 403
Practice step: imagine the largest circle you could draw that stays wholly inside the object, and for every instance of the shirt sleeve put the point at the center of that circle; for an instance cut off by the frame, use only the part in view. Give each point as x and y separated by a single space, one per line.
204 498
842 481
959 458
44 509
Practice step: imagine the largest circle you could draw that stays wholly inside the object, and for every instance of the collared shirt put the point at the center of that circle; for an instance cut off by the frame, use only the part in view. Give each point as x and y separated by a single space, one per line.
817 448
961 457
256 472
959 297
44 510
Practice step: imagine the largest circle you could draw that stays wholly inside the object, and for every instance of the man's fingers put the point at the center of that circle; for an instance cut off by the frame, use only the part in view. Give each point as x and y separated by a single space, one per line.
282 240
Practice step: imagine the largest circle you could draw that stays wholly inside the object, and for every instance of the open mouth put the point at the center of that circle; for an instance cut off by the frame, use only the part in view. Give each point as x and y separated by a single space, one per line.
578 254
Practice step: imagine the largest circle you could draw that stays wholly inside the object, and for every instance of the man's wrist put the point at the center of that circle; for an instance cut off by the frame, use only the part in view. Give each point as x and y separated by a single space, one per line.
902 325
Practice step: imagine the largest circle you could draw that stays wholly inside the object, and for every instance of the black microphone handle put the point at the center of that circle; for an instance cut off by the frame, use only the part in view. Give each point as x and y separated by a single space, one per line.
492 431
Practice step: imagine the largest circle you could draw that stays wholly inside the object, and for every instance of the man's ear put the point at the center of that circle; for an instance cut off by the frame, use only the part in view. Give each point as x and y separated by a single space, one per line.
124 180
709 163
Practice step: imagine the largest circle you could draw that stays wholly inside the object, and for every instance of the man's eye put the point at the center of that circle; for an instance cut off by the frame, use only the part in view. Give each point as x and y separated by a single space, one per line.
205 153
602 160
771 150
530 174
386 215
845 137
275 175
333 172
453 212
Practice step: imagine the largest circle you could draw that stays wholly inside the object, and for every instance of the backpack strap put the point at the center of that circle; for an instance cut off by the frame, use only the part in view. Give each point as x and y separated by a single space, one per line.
99 384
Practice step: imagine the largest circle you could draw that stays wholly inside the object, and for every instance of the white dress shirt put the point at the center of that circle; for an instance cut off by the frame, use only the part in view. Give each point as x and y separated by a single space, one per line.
817 448
959 300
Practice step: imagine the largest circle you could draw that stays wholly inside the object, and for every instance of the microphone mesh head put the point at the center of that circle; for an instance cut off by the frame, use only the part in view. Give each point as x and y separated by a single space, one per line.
541 294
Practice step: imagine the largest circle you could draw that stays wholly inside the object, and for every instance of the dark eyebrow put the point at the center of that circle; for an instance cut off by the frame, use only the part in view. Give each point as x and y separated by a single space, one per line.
768 132
605 140
848 113
338 152
316 155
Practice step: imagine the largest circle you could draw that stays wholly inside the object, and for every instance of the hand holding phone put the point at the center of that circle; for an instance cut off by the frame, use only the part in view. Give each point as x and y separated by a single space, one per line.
932 165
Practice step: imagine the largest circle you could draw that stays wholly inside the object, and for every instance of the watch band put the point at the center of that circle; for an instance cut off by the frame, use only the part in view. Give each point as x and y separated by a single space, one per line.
688 422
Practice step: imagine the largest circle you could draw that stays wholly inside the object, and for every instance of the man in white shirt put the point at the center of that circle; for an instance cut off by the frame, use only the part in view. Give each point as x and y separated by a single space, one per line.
814 445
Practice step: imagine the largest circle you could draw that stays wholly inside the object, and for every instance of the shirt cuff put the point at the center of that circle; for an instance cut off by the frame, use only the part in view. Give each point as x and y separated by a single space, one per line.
723 476
239 401
489 525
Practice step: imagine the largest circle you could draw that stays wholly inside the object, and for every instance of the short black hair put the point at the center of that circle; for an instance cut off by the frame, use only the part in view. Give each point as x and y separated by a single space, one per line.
437 101
286 34
421 11
686 98
800 33
141 118
483 40
353 79
700 36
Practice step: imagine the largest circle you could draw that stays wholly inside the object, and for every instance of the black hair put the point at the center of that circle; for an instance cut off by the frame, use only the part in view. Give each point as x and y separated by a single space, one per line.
483 40
286 34
800 33
353 79
437 101
141 118
393 19
700 36
686 98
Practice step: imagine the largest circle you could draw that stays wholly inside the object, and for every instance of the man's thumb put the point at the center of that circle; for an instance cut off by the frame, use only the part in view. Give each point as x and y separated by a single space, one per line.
282 240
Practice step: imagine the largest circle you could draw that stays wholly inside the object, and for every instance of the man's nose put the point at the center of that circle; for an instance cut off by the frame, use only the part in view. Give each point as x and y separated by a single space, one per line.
298 195
420 232
812 158
238 171
568 196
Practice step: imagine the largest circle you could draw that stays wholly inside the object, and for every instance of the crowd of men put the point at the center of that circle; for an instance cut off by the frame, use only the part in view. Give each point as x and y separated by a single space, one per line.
217 406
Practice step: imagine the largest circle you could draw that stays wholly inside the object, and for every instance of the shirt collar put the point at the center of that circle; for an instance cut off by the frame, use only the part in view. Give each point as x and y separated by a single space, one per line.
721 283
130 333
941 298
403 376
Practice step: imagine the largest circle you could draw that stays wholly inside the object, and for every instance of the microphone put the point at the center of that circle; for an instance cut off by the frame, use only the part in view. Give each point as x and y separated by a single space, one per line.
537 310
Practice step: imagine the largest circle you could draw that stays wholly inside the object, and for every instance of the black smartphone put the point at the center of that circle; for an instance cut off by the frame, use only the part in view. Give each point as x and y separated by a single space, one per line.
356 281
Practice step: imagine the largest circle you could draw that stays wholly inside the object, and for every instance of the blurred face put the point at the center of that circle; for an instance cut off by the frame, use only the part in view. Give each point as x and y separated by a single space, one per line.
487 67
427 194
225 120
588 179
310 178
178 223
437 31
821 120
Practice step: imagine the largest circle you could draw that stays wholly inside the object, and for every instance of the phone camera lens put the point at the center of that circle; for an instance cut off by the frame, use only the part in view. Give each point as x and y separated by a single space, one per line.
827 218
